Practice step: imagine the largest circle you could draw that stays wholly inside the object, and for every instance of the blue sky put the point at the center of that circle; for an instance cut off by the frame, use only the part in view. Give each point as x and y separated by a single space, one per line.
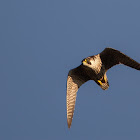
40 41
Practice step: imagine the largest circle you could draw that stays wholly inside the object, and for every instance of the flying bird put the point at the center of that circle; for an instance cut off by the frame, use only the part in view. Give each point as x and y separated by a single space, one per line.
94 68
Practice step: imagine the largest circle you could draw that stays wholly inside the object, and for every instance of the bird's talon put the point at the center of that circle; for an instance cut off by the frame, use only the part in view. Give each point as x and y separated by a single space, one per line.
99 82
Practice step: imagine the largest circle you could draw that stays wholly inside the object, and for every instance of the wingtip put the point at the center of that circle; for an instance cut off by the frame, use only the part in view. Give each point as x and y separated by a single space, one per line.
69 127
69 123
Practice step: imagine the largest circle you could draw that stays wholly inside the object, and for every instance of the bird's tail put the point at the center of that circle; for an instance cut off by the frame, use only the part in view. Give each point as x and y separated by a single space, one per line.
104 84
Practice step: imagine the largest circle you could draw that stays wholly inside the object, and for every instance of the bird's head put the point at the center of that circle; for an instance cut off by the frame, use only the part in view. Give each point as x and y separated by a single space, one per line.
90 61
86 62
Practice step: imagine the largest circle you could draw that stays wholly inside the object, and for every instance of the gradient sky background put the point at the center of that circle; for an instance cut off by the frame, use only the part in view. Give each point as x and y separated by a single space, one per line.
40 41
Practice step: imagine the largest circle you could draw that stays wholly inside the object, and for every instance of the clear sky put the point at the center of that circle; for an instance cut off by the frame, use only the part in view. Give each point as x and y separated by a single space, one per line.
40 41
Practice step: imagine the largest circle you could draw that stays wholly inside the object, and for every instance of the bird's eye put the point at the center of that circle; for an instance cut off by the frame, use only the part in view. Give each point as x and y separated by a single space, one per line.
88 62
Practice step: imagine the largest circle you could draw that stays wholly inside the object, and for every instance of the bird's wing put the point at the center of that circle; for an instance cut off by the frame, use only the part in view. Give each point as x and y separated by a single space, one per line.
111 57
76 78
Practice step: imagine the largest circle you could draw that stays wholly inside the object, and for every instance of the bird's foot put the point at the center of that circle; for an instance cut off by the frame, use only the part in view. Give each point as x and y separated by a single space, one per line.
99 82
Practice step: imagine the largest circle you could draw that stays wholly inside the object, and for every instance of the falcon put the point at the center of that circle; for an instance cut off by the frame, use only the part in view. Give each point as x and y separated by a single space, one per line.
94 68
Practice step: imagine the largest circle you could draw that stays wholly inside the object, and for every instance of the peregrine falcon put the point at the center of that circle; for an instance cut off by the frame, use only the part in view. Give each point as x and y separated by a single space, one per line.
94 68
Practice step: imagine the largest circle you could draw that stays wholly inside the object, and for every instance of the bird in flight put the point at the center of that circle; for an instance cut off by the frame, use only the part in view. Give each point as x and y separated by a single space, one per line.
94 68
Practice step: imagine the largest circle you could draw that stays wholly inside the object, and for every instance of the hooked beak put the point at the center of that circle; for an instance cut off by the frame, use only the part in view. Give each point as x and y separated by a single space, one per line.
86 61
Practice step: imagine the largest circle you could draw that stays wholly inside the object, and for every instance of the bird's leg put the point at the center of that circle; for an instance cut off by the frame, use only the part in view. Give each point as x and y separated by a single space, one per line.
99 82
102 80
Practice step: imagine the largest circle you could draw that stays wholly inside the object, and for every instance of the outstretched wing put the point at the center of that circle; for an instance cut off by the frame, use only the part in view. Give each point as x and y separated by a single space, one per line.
111 57
76 78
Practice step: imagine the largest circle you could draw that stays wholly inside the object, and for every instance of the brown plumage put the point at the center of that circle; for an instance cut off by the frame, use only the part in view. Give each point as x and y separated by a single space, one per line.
94 68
